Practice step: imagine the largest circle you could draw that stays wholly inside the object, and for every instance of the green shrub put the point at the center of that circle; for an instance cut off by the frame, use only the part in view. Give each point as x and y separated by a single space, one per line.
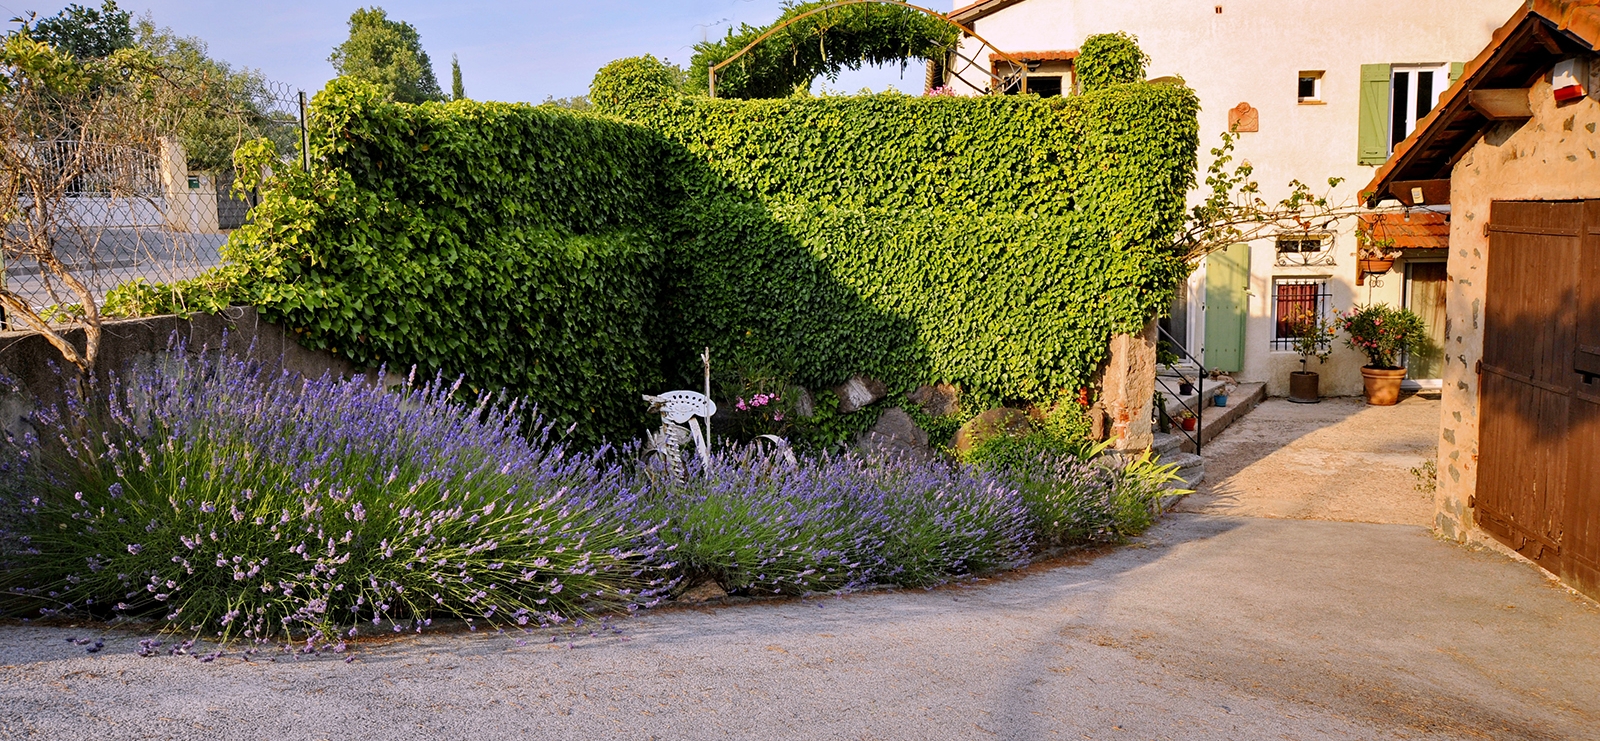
991 242
1110 59
579 259
510 243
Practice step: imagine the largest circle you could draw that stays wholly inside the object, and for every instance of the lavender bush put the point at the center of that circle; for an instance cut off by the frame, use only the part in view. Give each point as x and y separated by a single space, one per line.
756 524
207 495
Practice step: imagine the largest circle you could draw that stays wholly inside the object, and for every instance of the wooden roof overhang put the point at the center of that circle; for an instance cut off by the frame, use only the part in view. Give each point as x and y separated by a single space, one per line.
1541 33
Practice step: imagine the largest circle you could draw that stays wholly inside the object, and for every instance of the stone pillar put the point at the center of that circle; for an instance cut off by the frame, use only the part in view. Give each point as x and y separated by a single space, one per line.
1128 389
174 173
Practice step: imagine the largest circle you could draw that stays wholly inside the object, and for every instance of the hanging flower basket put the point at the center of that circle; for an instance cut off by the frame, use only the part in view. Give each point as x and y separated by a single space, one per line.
1374 265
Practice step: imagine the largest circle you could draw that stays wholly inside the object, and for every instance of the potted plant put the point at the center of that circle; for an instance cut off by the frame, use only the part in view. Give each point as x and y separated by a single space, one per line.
1313 338
1187 420
1374 255
1384 333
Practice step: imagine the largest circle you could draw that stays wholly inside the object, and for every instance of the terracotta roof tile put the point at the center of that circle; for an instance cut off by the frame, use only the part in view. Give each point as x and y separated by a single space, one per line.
1417 230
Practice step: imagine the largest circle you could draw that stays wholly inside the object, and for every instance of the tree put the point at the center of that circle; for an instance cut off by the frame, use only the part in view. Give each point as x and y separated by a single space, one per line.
457 90
389 54
1235 212
220 107
85 33
70 126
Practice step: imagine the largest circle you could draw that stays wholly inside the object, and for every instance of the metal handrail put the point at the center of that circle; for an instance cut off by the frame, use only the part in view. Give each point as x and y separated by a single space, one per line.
1200 390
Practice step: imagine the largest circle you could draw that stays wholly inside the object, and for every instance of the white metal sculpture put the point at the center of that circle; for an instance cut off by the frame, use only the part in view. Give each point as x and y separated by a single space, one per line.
685 416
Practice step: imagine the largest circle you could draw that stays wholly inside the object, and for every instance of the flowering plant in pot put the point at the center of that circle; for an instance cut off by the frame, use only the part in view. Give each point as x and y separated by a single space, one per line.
1384 333
1313 338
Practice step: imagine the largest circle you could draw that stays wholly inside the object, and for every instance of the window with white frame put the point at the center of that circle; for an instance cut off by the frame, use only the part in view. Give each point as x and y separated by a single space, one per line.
1310 88
1294 300
1413 92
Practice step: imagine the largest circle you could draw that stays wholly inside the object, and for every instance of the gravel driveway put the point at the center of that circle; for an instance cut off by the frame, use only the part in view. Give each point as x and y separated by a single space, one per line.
1210 627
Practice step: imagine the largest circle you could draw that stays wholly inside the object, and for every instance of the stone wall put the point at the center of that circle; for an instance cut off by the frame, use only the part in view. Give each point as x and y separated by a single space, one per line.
1552 157
30 362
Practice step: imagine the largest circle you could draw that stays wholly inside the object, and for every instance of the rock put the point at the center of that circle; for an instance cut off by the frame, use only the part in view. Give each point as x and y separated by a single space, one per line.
894 433
703 592
997 421
804 404
938 400
859 392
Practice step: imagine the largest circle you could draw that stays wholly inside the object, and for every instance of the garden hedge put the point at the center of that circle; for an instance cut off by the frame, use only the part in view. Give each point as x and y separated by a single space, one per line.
579 259
992 242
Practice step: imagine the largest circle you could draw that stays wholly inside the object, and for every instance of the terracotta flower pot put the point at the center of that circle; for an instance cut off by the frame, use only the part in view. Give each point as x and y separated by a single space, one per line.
1382 384
1189 424
1304 387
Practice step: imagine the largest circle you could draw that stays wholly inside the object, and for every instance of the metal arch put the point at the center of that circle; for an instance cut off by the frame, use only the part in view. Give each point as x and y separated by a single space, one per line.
1014 62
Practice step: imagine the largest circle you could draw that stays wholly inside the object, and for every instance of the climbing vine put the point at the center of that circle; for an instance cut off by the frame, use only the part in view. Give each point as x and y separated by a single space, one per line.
818 45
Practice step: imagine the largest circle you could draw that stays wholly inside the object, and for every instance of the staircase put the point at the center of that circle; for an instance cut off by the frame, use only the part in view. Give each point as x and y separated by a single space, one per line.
1169 449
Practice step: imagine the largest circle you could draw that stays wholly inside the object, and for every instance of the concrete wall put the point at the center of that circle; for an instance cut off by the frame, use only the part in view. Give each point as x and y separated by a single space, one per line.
1550 158
26 358
1253 52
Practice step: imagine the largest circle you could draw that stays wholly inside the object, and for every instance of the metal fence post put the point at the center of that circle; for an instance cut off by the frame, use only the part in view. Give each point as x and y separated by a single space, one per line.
305 136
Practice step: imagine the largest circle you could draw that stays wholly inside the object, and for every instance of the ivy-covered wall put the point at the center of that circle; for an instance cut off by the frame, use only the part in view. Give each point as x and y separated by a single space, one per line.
580 259
514 244
992 242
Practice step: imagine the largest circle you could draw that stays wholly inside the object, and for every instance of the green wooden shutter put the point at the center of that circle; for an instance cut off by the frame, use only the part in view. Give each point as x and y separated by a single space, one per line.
1374 114
1455 71
1227 305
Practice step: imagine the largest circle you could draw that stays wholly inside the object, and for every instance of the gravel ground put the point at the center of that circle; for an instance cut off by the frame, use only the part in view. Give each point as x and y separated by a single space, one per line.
1210 627
1337 460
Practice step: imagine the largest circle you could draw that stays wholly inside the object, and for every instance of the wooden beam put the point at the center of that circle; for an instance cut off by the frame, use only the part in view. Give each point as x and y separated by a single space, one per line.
1510 104
1421 192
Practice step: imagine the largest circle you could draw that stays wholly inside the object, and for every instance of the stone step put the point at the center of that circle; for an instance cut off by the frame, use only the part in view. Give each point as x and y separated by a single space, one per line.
1191 468
1165 444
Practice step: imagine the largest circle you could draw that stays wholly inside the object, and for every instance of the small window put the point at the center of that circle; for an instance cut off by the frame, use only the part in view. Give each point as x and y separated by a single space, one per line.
1044 86
1293 301
1311 87
1303 249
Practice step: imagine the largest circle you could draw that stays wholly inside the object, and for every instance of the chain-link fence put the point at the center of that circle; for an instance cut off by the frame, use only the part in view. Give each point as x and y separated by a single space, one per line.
124 214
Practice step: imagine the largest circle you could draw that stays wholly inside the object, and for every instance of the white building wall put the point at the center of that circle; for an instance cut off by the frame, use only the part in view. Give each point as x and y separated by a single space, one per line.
1252 52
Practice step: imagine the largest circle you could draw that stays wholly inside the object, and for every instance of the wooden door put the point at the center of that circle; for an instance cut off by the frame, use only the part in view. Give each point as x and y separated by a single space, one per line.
1539 441
1227 304
1581 541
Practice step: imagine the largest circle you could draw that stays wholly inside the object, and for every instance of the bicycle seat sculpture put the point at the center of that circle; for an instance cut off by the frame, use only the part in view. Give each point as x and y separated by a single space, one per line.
685 416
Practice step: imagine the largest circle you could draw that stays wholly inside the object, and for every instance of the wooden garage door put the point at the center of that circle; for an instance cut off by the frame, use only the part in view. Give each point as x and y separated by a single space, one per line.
1539 446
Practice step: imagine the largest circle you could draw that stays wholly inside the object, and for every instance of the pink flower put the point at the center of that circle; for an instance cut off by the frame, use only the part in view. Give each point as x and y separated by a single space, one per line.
777 416
740 405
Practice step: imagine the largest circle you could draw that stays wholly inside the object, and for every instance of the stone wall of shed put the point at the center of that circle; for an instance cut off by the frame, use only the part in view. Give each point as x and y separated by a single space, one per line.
1555 156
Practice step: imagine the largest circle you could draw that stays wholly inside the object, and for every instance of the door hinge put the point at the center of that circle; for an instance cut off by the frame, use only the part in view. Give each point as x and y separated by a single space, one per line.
1472 501
1477 367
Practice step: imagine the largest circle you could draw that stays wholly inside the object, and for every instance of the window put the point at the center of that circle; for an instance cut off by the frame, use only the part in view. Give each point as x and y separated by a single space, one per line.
1311 87
1292 300
1044 86
1413 92
1394 98
1304 248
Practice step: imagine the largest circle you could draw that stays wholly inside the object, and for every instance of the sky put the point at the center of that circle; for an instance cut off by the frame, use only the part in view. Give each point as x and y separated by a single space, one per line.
511 51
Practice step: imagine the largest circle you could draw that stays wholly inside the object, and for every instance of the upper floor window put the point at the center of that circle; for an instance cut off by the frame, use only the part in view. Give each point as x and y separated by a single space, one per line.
1310 87
1413 92
1394 99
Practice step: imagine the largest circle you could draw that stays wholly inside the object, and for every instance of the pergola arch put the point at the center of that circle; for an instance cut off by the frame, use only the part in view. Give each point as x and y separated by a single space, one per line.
997 83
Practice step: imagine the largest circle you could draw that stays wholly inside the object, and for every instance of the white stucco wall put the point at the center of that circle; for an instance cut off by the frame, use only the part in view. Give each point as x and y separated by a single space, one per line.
1252 52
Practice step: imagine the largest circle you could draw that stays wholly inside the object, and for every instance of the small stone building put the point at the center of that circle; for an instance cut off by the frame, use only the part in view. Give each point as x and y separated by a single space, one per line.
1511 157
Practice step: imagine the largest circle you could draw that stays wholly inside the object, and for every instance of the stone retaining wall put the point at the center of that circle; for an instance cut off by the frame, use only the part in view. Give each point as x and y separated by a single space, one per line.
30 363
